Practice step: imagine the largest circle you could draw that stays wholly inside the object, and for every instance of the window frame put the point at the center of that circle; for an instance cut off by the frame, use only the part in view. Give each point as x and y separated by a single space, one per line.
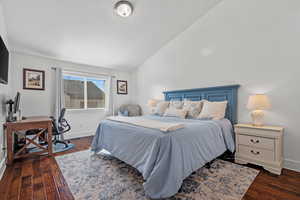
85 77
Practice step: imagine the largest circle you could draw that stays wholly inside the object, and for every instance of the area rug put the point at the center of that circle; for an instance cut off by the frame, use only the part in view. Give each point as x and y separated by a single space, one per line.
102 177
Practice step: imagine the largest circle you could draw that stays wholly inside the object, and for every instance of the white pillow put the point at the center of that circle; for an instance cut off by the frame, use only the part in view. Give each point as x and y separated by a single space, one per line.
176 104
213 110
161 107
193 108
173 112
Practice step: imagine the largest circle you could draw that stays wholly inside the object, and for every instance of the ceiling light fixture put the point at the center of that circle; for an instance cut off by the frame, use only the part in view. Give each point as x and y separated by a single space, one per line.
123 8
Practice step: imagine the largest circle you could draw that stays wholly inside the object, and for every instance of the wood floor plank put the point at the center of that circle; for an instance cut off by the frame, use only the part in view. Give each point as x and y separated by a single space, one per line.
61 184
38 185
49 182
268 186
272 188
26 192
26 188
267 192
281 183
248 197
5 181
15 184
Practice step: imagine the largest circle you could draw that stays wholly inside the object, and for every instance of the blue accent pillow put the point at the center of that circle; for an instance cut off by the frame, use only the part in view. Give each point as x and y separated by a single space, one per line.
125 113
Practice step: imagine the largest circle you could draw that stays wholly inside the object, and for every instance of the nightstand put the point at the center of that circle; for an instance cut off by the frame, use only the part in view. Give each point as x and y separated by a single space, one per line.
260 145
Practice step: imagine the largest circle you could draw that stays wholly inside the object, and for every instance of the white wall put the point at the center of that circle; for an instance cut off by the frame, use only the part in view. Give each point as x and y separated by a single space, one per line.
4 96
35 102
253 43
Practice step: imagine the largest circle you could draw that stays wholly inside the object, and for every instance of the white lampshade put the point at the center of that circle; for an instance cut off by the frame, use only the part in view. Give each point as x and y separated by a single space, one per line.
152 102
258 102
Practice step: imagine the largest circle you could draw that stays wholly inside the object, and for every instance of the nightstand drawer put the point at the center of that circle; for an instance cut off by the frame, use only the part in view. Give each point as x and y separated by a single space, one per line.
256 131
258 142
255 153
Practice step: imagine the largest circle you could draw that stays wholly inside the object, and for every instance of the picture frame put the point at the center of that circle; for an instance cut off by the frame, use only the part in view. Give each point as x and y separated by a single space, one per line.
33 79
122 87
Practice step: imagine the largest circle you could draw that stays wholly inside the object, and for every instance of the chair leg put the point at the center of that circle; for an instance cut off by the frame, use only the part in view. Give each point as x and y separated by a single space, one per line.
61 142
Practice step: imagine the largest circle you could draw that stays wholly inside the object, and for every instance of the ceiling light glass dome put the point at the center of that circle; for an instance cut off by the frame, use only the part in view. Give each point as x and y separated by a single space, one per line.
124 8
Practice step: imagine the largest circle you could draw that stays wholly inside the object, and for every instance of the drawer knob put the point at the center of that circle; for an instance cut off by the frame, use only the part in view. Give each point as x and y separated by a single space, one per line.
254 141
255 152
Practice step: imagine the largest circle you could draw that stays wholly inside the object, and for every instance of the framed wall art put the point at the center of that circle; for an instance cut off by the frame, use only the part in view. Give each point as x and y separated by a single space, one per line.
33 79
122 87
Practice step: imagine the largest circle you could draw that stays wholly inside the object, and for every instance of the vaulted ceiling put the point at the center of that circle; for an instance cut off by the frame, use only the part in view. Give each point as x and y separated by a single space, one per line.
89 32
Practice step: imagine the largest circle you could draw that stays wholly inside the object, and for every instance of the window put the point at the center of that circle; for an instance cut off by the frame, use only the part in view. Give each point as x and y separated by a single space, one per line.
83 92
95 93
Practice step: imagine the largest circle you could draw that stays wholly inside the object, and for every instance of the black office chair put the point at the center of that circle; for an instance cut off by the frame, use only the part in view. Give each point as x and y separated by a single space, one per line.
62 126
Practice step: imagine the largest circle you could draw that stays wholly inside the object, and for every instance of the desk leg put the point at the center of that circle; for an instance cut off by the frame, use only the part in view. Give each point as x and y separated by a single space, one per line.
50 152
9 142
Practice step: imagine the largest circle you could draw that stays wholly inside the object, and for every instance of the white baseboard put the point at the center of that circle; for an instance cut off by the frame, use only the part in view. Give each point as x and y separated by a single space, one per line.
292 164
74 135
2 167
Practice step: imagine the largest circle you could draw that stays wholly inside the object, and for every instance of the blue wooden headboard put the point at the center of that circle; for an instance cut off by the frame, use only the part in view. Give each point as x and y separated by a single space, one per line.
220 93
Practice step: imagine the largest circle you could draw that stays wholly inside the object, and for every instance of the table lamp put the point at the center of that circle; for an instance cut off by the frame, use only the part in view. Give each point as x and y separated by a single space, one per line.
152 103
258 103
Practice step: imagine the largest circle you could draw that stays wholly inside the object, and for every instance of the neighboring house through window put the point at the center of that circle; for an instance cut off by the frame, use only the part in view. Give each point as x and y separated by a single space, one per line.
84 92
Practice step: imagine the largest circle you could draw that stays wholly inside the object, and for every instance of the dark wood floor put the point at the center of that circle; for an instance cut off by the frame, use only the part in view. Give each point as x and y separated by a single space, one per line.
40 178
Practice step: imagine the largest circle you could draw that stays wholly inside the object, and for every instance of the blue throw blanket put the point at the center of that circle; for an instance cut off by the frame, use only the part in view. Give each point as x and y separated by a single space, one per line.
165 159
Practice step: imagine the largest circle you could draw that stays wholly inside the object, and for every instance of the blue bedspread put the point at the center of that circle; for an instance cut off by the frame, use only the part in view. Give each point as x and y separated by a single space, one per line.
165 159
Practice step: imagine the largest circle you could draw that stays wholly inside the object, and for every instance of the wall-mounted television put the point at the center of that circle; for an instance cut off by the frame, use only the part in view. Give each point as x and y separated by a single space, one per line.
4 57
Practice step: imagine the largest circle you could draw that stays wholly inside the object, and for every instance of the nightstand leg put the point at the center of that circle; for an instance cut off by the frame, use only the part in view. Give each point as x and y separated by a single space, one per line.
273 170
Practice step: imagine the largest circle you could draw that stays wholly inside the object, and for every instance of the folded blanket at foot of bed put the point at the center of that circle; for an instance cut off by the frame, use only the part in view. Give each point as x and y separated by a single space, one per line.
148 123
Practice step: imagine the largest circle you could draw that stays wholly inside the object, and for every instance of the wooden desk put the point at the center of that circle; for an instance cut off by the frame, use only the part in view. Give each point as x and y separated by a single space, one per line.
43 123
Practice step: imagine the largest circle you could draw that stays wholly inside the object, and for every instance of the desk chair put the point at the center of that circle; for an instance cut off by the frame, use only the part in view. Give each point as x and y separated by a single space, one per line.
62 126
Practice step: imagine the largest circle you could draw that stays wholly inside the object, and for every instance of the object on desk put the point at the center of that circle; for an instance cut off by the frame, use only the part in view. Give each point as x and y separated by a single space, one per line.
258 103
14 106
19 115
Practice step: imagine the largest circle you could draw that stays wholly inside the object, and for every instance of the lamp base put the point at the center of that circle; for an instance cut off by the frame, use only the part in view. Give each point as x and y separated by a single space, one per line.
257 117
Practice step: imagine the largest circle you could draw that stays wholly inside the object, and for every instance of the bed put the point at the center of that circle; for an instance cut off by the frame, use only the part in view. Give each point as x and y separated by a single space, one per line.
165 159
